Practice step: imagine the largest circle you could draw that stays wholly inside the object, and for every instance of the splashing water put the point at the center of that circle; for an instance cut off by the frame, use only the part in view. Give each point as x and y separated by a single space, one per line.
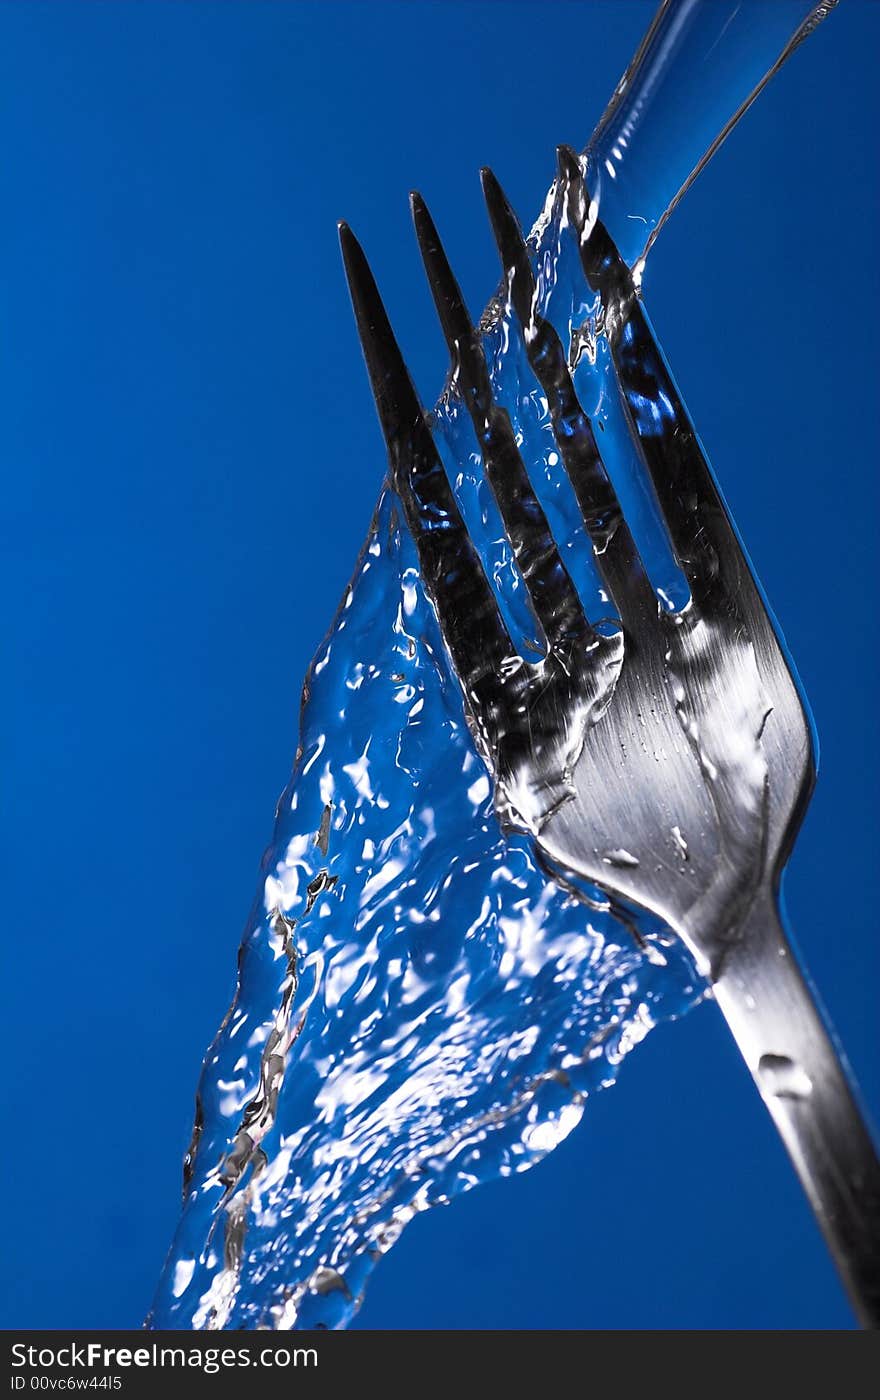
418 1008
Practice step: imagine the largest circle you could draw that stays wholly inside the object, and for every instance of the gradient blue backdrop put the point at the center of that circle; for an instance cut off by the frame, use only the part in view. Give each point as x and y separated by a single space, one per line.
178 528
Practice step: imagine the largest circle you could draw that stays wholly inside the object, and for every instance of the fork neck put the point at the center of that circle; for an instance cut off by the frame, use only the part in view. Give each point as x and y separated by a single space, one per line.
699 67
784 1039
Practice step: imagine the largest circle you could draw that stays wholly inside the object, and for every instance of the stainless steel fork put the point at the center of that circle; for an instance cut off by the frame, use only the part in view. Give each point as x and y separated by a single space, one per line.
668 761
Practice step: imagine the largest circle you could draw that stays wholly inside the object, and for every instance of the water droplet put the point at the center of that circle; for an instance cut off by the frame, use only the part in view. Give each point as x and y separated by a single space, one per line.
620 858
783 1078
680 844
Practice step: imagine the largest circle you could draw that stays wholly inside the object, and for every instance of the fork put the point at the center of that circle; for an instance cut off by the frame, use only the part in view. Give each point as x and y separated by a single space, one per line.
668 759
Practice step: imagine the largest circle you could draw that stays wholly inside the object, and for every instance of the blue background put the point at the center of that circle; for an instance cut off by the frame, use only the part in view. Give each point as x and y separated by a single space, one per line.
174 331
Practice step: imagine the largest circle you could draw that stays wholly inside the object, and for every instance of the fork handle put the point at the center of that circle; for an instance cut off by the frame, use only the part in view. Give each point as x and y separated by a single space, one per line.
781 1033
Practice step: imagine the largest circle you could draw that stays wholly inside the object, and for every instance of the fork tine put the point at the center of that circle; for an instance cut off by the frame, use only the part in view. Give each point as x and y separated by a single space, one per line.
554 597
616 555
696 519
514 253
603 267
467 611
